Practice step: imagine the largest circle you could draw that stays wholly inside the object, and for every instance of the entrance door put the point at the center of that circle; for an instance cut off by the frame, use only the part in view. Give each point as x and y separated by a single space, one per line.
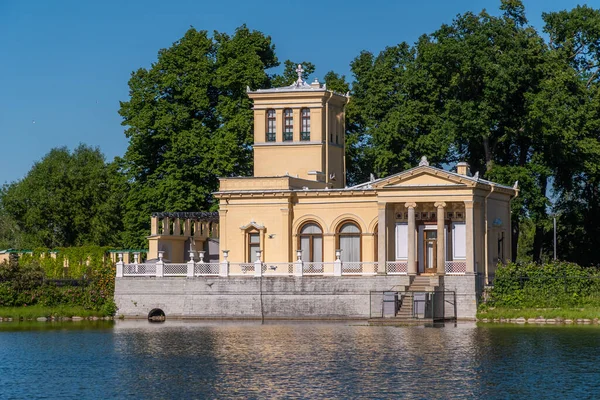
430 251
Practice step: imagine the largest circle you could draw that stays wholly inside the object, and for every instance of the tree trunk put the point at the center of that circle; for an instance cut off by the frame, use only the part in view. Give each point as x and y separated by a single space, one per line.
488 154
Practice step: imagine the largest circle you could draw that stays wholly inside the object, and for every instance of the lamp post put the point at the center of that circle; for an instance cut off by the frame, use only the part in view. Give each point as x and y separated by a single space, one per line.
554 222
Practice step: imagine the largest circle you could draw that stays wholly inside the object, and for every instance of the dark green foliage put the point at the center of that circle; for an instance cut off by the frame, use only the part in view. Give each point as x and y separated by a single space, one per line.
25 281
556 284
67 199
489 90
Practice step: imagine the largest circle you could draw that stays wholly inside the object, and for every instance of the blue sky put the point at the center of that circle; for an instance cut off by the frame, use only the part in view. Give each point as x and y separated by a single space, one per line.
64 65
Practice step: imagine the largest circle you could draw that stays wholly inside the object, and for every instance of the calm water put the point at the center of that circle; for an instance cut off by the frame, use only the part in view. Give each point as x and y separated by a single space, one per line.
185 360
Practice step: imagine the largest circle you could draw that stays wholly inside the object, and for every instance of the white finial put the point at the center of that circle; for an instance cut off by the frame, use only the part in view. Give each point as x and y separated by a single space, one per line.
516 185
476 176
299 71
423 162
371 177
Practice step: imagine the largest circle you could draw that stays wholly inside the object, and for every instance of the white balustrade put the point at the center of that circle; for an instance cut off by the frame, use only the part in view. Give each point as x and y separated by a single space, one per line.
175 269
397 267
456 267
277 269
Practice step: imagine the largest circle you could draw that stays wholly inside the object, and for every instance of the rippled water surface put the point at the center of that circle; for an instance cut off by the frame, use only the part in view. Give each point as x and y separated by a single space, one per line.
203 360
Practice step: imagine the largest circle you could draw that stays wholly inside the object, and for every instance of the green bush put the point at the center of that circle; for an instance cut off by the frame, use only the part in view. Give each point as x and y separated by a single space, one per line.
24 282
552 285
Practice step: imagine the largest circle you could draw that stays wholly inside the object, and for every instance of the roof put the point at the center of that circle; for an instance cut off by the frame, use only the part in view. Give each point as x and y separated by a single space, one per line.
426 168
299 85
196 215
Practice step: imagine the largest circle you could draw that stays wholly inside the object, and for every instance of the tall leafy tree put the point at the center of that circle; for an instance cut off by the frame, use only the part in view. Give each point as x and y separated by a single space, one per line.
189 121
66 199
570 115
463 92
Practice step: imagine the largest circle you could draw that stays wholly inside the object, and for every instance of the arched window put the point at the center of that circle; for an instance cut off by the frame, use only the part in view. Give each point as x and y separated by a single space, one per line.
349 242
305 126
311 242
271 126
288 125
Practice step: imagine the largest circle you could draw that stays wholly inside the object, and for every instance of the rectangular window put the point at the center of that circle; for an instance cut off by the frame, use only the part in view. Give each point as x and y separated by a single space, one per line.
271 126
305 131
459 241
253 246
288 125
401 241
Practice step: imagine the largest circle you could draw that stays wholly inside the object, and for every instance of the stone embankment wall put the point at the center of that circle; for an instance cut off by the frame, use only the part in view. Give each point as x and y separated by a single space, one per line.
281 297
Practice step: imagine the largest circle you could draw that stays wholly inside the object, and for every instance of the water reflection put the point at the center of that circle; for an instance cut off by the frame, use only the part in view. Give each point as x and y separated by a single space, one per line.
179 359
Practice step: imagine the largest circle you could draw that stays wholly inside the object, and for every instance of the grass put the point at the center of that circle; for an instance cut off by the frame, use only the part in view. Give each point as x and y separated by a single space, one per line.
547 313
32 312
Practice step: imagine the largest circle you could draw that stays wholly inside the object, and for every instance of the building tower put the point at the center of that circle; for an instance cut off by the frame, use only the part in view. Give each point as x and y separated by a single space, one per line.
299 131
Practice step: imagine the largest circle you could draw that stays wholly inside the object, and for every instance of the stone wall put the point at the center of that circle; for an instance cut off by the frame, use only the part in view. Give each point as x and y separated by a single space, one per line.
267 297
466 297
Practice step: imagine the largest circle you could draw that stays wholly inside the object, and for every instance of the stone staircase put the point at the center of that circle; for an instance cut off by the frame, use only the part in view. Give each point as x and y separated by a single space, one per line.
420 283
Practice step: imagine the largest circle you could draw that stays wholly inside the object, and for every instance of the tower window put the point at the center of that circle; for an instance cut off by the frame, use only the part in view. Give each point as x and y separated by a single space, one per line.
305 132
288 125
271 126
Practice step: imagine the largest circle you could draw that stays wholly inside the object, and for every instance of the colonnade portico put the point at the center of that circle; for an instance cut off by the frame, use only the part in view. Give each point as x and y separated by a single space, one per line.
415 249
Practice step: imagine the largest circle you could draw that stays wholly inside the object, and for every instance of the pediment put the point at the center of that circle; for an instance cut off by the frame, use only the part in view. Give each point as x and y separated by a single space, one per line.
424 176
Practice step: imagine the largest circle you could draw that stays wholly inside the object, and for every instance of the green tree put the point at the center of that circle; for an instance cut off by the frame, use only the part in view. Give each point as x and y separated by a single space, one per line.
463 92
67 199
189 121
570 115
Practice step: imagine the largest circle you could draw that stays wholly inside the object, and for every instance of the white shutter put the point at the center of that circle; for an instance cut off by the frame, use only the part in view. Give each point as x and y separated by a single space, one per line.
459 241
401 241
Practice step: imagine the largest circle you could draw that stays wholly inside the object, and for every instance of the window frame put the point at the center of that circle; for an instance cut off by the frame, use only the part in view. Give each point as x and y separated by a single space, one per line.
339 234
288 125
311 237
305 124
250 245
271 126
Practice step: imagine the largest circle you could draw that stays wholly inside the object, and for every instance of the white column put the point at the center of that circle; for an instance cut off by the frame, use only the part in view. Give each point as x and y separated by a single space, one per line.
337 265
120 266
258 265
190 266
224 265
441 243
160 265
298 265
469 222
412 265
381 237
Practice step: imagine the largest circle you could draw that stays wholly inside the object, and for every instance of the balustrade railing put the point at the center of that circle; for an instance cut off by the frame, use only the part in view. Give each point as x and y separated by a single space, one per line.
397 267
273 269
241 269
317 268
457 267
172 269
359 268
191 269
206 269
139 269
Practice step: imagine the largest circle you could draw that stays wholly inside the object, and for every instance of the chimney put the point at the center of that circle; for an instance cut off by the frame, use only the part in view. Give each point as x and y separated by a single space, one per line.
462 168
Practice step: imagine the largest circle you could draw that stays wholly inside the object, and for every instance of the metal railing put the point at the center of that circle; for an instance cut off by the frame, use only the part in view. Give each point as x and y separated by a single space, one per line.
432 305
